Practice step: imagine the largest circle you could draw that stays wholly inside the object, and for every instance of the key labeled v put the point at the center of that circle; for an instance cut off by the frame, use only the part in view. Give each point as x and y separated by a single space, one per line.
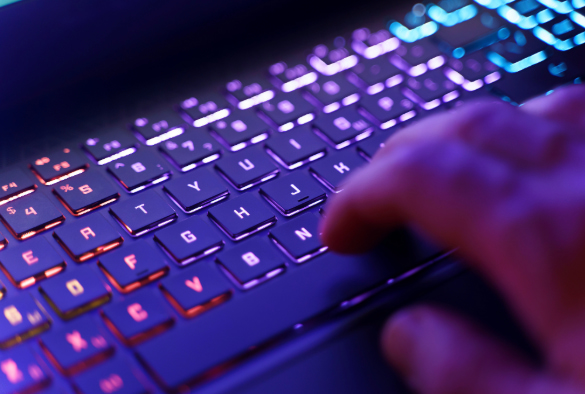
194 284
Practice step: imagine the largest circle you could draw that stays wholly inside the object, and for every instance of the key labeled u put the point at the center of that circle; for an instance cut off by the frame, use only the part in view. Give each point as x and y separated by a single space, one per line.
246 165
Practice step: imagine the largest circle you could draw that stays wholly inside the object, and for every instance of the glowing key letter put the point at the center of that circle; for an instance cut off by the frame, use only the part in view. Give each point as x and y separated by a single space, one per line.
194 284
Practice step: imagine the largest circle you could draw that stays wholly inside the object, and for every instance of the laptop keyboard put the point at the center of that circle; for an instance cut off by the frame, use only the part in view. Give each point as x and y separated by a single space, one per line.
154 256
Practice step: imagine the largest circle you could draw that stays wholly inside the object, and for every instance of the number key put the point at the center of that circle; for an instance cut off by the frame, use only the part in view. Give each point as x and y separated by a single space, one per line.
57 166
86 192
191 150
14 184
139 171
158 127
240 129
342 128
28 216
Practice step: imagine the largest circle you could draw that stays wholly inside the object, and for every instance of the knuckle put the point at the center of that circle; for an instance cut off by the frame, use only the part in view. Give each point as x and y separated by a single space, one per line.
480 119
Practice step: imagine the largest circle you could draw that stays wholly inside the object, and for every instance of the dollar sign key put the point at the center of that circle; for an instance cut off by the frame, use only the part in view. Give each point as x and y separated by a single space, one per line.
11 210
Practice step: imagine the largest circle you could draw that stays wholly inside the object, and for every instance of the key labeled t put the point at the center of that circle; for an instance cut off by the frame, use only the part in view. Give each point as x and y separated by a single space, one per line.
87 232
141 207
29 258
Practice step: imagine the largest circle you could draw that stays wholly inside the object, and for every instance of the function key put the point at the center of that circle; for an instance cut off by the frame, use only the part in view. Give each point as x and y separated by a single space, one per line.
375 75
431 89
247 94
14 184
293 193
31 215
472 72
242 216
158 127
291 78
332 60
332 170
21 318
286 111
110 146
73 293
77 346
205 110
191 150
247 168
299 238
416 59
143 213
189 240
343 128
387 108
296 147
197 190
88 237
21 372
141 170
133 266
251 263
240 129
86 192
112 377
57 166
330 94
31 262
371 45
197 289
138 317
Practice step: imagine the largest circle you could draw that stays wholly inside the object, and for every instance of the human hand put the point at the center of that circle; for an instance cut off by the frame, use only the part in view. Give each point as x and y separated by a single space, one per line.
506 185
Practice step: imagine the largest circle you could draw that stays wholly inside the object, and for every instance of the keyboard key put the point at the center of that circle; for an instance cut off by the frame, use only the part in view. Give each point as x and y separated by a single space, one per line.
330 93
28 216
332 170
21 318
57 166
196 190
242 216
133 266
143 169
143 213
288 79
203 110
247 94
114 376
431 89
21 372
296 147
375 75
287 110
31 262
299 238
562 32
191 150
252 262
373 45
196 289
332 60
159 127
293 193
247 168
240 129
138 317
14 184
368 147
110 146
517 51
86 192
73 293
472 71
387 108
343 128
189 240
2 291
77 346
88 237
416 59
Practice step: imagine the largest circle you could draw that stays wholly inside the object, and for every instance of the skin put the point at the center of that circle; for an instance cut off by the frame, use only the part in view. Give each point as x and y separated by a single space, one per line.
506 185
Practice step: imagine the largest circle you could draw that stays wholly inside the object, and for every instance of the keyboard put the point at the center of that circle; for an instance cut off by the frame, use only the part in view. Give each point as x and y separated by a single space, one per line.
155 256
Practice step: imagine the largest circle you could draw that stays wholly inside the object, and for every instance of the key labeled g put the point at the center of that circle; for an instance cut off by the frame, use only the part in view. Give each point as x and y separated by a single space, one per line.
188 236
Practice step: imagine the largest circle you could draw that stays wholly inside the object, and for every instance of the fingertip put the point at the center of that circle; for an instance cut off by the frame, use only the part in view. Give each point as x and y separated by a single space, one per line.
399 338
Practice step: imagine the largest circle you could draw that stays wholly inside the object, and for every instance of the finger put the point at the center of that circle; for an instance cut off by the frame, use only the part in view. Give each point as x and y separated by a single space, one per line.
564 104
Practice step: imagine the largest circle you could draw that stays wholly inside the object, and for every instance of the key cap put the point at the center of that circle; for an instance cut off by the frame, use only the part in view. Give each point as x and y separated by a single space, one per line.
197 190
159 127
562 32
76 346
472 71
247 168
332 170
189 240
21 372
520 50
330 93
293 193
143 213
73 293
197 289
110 146
31 262
143 169
86 192
248 93
206 109
430 90
240 129
417 58
373 45
133 266
334 59
252 262
22 318
368 147
299 238
14 184
191 150
242 216
114 376
387 108
31 215
296 147
3 241
286 110
343 128
88 237
288 79
57 166
375 75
